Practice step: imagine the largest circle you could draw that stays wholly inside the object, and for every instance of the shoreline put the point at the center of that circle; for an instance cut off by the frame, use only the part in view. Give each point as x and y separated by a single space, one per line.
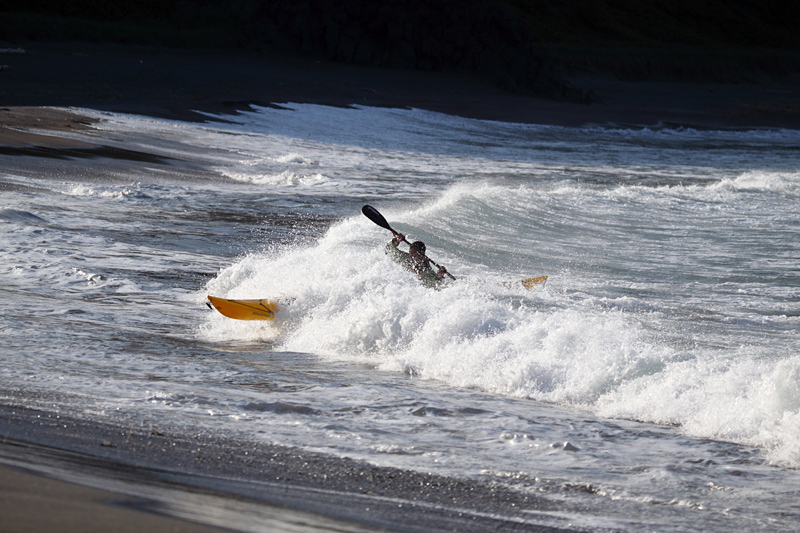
201 477
77 507
186 84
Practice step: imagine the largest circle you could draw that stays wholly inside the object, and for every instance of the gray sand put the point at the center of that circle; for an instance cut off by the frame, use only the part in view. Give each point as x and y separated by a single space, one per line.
200 477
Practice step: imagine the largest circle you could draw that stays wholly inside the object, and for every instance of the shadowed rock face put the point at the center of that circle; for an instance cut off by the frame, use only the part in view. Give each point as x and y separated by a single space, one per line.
480 37
525 47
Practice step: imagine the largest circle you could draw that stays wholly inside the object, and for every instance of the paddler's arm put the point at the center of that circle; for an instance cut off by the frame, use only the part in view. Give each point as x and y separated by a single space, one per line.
394 252
431 279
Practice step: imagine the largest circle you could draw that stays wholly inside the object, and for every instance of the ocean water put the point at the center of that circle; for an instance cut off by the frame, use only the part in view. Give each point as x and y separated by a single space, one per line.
652 383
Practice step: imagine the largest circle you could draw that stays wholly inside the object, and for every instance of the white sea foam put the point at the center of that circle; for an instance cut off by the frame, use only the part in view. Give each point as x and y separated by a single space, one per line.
740 398
117 193
287 178
355 305
758 181
296 159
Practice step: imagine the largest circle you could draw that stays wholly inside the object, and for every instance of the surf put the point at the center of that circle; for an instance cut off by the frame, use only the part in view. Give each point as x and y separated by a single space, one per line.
571 343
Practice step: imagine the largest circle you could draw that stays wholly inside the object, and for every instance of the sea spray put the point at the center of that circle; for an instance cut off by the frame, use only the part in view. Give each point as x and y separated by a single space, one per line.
619 356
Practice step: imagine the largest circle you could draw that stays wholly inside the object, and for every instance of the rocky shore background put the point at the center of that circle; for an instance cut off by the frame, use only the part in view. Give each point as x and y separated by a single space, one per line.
524 47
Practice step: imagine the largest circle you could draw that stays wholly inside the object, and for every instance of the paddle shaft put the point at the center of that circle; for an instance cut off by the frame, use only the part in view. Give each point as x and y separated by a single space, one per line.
373 214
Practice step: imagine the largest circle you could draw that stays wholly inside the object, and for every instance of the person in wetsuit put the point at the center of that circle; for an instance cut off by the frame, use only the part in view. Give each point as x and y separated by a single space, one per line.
415 261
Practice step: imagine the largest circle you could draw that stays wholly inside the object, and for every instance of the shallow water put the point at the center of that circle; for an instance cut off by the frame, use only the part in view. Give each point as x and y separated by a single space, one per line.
654 381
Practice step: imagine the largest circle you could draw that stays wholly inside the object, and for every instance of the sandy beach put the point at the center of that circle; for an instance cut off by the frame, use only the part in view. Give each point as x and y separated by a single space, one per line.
101 478
73 507
173 481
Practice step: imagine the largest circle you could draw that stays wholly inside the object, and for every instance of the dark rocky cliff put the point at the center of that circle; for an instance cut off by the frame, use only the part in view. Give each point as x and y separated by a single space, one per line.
482 37
521 46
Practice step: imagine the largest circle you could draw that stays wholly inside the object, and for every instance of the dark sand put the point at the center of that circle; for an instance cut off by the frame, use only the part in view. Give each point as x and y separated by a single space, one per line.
70 474
226 482
30 502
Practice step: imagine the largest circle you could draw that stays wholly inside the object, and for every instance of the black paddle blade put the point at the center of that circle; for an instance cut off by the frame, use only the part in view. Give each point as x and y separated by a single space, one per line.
373 214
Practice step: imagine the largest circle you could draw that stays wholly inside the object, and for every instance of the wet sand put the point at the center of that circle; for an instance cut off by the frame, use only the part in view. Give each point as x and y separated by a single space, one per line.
34 126
222 481
32 502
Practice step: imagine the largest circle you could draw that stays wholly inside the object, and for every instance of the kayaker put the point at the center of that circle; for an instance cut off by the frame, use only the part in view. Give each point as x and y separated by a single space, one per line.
415 261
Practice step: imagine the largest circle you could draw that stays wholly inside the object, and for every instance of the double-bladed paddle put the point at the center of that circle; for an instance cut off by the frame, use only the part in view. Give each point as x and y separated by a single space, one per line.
373 214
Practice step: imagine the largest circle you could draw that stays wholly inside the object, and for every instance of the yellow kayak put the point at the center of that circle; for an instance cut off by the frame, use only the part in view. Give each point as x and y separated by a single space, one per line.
532 282
265 309
245 309
528 283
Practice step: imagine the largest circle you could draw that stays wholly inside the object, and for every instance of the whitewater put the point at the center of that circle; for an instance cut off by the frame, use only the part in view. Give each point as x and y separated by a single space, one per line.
652 383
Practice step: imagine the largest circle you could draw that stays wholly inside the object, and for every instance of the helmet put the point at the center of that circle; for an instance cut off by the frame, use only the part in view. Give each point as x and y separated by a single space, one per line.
418 246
